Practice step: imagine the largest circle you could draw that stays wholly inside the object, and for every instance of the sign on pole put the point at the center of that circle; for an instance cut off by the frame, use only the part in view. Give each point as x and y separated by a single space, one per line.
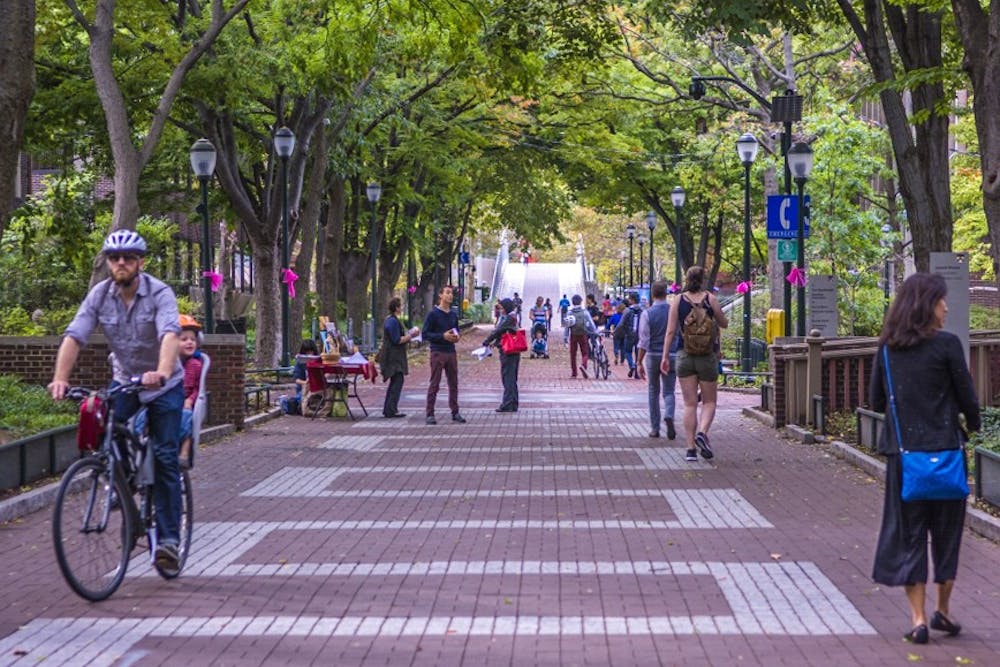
954 267
788 250
783 217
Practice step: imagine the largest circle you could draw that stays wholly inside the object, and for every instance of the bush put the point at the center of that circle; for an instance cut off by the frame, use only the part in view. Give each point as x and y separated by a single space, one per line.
989 436
480 313
27 409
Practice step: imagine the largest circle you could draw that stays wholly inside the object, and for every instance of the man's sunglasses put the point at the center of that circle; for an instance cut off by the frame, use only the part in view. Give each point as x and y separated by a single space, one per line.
128 257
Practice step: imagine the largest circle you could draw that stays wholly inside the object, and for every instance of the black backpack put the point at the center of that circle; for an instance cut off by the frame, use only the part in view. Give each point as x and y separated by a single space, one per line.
627 325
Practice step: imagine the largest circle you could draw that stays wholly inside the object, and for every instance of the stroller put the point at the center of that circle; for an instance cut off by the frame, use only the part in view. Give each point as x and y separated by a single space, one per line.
539 341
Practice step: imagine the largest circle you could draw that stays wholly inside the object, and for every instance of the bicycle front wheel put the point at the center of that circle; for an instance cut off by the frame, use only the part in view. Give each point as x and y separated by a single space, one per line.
186 527
90 529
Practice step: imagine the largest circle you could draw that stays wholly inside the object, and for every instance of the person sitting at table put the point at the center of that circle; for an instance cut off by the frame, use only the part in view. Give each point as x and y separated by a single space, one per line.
392 358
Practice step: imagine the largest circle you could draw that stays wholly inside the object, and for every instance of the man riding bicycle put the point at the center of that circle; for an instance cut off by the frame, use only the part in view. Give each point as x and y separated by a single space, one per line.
138 315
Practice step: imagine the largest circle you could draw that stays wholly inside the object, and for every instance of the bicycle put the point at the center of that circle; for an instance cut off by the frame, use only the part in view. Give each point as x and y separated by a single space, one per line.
105 503
599 357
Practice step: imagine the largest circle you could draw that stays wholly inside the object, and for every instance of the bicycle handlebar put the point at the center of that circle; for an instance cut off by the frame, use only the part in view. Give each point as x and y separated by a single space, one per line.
82 393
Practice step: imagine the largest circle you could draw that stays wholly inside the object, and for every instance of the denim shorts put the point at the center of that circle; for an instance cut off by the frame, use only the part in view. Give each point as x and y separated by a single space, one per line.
705 366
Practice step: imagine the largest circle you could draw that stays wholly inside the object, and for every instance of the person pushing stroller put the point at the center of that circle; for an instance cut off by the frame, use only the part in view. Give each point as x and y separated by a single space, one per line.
539 330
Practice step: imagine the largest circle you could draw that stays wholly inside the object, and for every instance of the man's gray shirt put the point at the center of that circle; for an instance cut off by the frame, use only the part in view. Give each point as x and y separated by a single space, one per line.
133 333
651 334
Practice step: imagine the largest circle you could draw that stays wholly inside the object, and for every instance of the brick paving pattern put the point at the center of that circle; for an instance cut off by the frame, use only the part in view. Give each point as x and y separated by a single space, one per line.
560 535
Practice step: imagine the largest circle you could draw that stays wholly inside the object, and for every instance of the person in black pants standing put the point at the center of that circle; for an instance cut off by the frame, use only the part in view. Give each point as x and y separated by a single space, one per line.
509 363
441 331
392 362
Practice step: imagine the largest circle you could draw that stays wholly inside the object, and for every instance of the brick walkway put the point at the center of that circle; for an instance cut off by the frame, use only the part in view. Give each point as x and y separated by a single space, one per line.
559 535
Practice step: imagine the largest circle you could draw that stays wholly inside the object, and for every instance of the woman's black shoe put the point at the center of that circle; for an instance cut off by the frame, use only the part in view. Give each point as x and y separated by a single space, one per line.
917 635
941 622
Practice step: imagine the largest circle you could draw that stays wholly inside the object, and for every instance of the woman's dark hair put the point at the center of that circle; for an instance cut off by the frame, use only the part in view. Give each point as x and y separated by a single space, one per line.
308 346
911 317
395 304
694 279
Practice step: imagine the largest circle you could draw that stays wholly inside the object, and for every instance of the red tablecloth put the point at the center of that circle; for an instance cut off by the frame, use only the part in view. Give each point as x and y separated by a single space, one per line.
369 371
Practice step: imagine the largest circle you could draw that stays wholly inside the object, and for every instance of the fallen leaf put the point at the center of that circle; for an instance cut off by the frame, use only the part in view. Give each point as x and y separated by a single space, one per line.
913 657
775 556
963 661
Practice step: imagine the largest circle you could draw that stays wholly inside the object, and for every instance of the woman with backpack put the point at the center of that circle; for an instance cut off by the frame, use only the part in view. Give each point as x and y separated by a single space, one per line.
699 317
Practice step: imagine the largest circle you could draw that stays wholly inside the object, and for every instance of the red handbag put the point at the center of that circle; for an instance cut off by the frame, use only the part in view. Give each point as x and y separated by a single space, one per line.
513 343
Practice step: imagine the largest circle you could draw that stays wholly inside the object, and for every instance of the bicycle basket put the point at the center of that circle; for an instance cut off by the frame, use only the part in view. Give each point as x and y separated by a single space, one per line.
92 416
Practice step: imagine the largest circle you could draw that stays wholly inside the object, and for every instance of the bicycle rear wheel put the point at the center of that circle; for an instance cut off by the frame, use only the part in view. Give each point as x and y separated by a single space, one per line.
91 532
186 527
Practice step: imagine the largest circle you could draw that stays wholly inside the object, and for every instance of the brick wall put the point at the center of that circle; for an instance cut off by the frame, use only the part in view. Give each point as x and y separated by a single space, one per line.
33 358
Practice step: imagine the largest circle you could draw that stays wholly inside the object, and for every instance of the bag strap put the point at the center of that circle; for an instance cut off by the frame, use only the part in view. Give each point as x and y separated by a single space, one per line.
892 398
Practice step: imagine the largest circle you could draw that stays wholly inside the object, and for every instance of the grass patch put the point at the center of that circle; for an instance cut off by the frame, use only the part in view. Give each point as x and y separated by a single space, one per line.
27 409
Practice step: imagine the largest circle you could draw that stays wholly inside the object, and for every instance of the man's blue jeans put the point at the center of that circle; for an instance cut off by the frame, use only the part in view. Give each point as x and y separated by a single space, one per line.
659 385
164 419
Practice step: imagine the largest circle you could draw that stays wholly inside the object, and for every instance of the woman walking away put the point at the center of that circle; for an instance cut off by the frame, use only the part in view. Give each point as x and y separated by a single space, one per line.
699 317
393 358
509 363
924 368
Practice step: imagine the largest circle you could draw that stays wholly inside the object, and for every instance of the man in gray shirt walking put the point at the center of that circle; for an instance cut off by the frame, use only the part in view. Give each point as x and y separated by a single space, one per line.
652 330
138 315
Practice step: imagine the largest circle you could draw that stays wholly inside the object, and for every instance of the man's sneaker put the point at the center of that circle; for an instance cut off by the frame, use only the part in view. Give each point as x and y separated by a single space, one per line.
692 455
168 560
631 371
458 418
654 434
671 432
701 440
583 369
430 420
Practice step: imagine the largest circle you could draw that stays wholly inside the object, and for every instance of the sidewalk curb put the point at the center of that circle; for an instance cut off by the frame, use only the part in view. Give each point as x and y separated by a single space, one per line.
44 496
976 520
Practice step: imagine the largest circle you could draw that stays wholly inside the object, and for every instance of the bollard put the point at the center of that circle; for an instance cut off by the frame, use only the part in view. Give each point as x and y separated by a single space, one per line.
814 372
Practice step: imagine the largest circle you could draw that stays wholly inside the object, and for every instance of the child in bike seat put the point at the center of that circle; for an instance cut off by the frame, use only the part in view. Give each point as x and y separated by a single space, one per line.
190 355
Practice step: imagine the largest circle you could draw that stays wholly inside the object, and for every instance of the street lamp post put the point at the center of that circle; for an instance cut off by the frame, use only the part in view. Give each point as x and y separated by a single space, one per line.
203 163
621 272
800 160
746 147
630 234
374 193
651 224
785 109
677 196
642 240
887 269
284 144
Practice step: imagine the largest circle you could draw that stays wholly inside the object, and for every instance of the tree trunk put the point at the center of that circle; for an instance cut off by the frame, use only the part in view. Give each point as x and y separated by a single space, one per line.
980 35
268 297
308 225
333 243
922 163
17 87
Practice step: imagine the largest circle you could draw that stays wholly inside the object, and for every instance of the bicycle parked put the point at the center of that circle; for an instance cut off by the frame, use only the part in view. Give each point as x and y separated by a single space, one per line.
599 357
105 501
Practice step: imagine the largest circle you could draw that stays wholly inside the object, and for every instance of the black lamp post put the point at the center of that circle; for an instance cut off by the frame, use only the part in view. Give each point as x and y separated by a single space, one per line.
642 240
284 144
785 109
651 225
800 160
374 192
746 147
621 272
203 163
677 198
630 235
887 269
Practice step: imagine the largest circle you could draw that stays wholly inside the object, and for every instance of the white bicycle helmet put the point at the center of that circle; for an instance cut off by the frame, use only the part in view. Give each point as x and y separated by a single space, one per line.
124 240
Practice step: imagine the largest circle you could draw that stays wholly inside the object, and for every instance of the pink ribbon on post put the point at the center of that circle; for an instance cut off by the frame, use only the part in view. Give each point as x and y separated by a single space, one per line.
412 289
214 278
797 277
744 287
674 288
289 277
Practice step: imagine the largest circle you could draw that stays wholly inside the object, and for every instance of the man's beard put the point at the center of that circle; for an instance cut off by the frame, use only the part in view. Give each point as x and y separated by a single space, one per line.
125 282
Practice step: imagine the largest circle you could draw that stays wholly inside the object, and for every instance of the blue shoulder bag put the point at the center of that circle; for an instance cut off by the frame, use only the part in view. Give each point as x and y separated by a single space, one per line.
931 475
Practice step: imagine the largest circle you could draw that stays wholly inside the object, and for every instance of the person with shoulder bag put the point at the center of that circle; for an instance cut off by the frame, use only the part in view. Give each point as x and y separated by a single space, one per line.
393 363
921 382
510 362
698 316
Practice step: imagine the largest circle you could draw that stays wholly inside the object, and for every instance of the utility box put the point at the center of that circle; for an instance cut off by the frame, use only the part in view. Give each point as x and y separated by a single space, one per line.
775 326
